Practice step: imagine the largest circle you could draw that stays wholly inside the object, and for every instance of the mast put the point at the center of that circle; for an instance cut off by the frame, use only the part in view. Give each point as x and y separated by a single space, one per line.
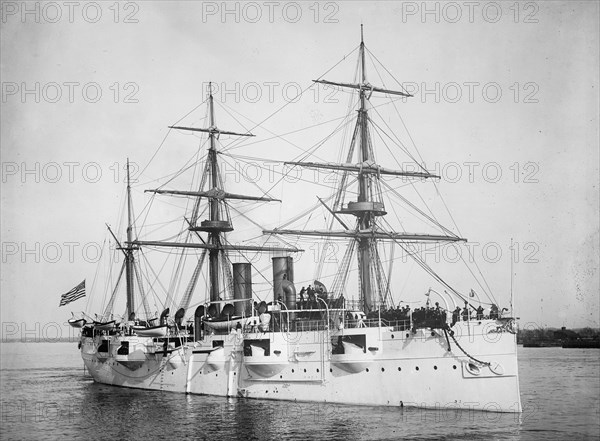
368 205
512 300
219 220
214 237
365 218
129 251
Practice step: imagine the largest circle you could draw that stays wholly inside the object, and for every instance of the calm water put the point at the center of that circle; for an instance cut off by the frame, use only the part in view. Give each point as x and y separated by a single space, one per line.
45 395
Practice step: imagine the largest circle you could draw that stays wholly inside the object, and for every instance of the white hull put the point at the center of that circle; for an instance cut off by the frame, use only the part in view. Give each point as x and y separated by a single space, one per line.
396 368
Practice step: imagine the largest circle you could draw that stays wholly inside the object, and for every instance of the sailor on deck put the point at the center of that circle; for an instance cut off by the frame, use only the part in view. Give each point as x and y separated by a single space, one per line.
479 313
465 312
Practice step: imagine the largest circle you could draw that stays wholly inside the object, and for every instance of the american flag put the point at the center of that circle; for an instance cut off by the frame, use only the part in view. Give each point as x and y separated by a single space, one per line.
76 293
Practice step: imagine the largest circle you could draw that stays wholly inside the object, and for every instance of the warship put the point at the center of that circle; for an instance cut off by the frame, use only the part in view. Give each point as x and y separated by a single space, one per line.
349 342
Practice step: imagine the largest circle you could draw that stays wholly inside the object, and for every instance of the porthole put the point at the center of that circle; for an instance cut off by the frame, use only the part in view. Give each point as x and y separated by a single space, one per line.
417 368
472 368
407 335
304 370
399 369
453 366
392 335
330 370
435 368
317 370
367 369
292 371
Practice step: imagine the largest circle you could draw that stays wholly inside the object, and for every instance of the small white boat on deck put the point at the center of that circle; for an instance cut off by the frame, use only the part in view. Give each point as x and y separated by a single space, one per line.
77 323
225 324
153 331
104 326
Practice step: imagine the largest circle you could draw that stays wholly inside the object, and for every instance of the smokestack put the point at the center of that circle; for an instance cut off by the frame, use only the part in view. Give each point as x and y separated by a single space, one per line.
198 315
284 266
242 288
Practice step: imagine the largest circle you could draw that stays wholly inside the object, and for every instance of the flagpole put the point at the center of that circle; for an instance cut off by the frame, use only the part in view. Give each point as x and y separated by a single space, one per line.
512 301
129 251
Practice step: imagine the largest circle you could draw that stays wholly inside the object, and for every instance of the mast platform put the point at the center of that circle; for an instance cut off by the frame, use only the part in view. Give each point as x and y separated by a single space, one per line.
213 226
359 208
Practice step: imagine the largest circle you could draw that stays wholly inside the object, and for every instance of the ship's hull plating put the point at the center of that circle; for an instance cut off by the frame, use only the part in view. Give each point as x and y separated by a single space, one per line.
381 366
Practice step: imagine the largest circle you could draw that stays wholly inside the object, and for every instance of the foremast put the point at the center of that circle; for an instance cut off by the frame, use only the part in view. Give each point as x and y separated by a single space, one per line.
216 227
129 258
369 204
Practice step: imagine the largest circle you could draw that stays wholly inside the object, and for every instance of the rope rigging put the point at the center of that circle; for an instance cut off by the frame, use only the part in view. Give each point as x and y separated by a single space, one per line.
371 190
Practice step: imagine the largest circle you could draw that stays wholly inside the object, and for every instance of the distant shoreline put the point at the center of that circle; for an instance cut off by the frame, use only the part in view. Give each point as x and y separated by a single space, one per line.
38 340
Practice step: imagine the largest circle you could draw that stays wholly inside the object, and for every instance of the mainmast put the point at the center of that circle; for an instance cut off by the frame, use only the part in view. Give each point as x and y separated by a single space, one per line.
129 251
365 217
369 203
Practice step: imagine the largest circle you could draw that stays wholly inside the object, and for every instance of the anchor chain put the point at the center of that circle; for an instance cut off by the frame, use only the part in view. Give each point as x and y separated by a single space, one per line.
485 363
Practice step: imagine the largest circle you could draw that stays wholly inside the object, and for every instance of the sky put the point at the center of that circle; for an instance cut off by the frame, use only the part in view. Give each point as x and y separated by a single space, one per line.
505 109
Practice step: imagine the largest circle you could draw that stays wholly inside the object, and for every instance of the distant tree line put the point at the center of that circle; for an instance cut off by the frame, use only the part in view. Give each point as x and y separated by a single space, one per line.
555 335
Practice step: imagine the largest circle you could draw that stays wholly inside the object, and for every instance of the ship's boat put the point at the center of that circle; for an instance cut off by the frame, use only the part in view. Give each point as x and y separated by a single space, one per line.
225 324
77 323
151 331
104 326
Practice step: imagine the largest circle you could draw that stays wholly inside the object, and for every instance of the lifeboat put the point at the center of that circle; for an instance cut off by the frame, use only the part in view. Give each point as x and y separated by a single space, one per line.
152 331
224 324
104 326
77 323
